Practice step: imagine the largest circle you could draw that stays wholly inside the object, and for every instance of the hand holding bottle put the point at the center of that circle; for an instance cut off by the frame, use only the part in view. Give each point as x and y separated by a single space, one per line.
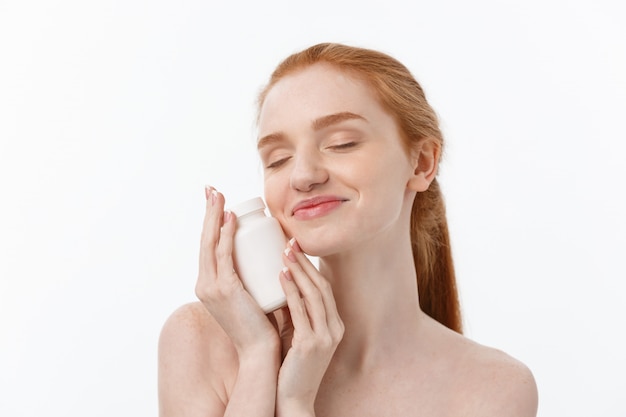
220 289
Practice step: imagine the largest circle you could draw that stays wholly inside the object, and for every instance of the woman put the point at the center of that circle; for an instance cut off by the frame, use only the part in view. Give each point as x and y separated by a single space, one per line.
350 149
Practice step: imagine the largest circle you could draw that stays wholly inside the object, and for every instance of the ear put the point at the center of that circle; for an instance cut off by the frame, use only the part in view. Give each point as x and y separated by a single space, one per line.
425 160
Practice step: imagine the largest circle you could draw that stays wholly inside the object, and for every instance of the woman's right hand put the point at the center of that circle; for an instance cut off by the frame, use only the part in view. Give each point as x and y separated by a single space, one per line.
220 289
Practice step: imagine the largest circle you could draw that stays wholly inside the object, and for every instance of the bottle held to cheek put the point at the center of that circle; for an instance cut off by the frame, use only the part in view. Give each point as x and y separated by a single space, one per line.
257 253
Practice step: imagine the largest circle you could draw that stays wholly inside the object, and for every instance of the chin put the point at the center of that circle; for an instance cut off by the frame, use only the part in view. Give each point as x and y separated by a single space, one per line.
323 239
320 247
318 253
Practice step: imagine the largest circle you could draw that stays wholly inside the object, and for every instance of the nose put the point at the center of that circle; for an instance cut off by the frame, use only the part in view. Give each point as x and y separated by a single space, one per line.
308 171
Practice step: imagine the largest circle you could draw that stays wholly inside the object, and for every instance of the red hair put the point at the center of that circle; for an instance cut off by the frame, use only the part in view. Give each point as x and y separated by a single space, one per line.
403 97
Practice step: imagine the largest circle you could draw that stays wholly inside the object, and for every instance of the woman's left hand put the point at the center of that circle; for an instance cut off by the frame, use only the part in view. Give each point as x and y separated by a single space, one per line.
317 331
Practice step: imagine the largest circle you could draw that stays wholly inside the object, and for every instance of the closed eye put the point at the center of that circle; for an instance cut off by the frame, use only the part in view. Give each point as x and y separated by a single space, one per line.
346 145
277 163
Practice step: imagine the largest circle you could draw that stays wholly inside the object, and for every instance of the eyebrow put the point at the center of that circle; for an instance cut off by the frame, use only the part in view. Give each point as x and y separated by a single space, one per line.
317 124
269 140
332 119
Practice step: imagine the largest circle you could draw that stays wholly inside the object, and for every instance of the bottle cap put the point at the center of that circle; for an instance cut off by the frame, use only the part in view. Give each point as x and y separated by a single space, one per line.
248 206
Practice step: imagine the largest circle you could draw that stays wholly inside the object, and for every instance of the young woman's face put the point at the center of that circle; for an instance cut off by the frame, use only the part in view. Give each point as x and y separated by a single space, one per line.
335 170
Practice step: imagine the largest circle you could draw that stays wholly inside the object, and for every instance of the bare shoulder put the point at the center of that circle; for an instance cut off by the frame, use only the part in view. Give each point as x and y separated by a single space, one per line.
494 383
196 362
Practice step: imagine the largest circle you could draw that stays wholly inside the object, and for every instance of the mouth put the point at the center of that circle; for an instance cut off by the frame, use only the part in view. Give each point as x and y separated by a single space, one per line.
316 207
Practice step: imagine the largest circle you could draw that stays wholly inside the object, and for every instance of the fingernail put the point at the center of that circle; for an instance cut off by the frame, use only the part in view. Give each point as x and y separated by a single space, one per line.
290 255
213 196
207 191
294 244
227 216
287 274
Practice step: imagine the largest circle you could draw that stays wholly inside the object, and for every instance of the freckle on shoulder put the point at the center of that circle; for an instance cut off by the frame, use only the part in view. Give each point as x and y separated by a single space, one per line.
191 330
197 362
506 385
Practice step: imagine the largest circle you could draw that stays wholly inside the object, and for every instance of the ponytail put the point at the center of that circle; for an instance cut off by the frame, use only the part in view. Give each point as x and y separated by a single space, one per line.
432 255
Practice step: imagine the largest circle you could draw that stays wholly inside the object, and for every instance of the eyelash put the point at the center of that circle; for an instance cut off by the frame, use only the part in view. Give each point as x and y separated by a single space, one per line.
344 145
339 147
277 164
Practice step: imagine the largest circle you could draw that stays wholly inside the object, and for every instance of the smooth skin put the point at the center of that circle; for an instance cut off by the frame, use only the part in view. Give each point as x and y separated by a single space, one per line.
352 340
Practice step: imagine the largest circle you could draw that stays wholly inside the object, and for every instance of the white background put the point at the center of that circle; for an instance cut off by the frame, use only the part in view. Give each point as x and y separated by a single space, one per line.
114 114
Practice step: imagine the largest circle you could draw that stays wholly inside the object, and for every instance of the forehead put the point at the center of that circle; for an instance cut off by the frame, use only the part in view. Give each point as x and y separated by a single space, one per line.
314 92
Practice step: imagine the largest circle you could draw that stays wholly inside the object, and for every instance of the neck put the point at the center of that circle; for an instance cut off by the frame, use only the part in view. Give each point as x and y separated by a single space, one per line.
375 288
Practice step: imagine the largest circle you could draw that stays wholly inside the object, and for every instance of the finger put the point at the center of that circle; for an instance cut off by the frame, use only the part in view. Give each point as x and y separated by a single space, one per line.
314 301
322 284
207 270
224 251
210 234
304 262
297 309
212 217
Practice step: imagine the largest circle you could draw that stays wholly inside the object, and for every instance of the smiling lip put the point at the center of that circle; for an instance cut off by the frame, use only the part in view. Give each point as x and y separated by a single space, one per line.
316 207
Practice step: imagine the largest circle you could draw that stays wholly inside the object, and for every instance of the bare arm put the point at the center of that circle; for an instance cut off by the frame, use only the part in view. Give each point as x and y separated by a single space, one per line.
200 373
187 378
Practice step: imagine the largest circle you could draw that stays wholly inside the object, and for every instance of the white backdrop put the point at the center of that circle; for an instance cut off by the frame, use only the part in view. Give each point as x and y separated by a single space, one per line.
114 114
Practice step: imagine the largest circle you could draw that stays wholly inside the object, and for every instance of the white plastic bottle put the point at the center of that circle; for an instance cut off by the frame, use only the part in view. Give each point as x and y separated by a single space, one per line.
257 252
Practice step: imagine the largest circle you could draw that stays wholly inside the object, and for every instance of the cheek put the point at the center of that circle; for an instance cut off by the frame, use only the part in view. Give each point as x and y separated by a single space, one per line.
386 182
274 192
